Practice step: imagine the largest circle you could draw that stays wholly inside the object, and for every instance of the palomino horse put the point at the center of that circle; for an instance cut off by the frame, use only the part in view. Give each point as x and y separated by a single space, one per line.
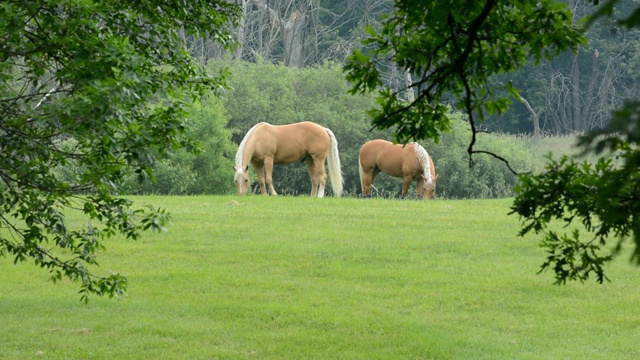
409 162
265 145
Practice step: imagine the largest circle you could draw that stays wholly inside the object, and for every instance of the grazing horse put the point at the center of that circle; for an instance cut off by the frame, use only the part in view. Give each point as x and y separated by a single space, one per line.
265 145
410 161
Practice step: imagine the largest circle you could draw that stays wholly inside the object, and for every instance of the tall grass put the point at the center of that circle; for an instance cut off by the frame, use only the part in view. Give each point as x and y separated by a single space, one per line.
296 277
557 146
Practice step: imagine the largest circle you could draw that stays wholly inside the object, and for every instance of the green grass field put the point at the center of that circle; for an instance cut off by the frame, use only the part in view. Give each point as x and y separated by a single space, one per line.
303 278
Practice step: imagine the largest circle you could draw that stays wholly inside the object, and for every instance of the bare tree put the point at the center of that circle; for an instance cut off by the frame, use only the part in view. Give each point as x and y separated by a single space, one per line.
240 30
567 109
291 27
535 116
301 33
333 32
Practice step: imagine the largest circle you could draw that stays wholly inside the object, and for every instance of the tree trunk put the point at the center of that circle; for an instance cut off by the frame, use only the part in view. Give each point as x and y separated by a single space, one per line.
554 103
576 99
292 33
589 99
408 82
238 52
535 117
293 37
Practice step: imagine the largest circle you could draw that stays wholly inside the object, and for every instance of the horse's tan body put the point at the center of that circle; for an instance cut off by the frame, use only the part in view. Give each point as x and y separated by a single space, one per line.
266 145
402 161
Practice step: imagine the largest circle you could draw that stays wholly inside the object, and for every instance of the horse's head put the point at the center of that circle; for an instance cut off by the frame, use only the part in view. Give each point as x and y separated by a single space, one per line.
241 179
429 186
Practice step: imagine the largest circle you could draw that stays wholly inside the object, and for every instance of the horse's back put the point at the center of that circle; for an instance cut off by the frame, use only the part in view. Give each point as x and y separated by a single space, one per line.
291 142
303 132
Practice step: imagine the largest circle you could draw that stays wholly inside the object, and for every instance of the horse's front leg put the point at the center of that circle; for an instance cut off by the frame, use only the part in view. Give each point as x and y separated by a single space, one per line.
260 171
406 182
268 167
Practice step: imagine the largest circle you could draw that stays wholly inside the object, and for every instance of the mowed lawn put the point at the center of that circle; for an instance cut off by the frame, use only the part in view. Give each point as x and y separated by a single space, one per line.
303 278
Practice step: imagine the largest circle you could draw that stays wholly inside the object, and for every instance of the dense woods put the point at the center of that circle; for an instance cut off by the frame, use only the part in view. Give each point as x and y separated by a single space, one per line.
574 92
286 68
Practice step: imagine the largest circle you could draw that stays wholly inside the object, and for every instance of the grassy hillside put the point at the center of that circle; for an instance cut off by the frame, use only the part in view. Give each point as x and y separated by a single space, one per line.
295 277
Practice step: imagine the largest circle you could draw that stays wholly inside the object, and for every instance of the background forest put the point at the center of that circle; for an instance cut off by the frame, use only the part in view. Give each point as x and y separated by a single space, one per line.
287 67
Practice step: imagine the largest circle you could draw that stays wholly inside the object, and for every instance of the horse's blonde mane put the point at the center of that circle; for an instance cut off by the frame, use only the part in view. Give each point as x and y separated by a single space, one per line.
243 144
423 158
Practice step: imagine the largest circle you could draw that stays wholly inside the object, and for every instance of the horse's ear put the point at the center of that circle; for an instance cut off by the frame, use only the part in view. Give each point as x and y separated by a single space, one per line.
436 178
235 168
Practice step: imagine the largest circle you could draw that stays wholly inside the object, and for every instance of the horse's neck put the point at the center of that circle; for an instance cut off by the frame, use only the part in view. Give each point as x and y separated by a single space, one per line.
247 153
425 160
432 168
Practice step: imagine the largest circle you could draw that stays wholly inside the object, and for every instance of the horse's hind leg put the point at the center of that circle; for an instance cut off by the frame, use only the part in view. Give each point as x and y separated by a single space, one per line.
368 177
318 176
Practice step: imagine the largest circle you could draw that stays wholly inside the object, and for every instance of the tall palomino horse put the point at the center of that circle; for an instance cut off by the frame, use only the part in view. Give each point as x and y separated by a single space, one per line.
410 161
265 145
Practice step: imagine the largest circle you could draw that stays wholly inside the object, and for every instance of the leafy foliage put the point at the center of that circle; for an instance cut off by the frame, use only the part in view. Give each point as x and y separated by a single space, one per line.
103 87
454 47
604 199
486 178
204 171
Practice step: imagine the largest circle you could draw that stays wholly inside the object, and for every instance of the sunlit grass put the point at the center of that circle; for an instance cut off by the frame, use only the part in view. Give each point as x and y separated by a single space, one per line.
296 277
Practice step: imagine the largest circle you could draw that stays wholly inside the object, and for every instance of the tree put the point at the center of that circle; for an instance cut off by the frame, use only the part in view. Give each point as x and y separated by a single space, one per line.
102 87
205 172
300 33
455 47
577 92
281 24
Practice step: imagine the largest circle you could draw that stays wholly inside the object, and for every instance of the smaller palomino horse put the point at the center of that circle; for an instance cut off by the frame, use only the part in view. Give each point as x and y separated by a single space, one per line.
265 145
410 161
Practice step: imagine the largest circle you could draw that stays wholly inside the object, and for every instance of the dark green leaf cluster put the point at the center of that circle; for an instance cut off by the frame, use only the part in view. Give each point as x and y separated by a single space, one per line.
486 178
452 48
203 172
604 199
102 88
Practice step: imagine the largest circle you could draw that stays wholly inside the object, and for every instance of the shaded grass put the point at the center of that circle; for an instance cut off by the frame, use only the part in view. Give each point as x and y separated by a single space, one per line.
295 277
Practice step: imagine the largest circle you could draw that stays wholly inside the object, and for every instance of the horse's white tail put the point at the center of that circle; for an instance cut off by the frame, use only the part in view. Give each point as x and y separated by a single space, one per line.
361 172
333 160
